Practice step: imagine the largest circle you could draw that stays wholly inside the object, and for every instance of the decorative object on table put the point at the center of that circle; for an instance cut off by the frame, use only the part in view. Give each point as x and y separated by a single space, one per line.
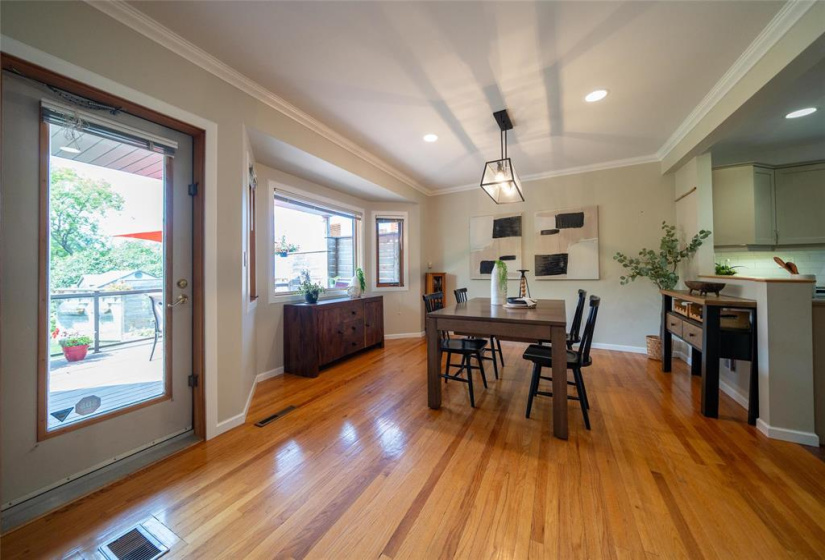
435 282
75 346
499 180
705 288
725 269
523 288
309 289
358 284
498 286
566 244
660 268
495 238
283 248
521 303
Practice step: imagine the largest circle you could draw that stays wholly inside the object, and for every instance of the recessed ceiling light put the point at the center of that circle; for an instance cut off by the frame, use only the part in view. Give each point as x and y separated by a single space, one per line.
430 138
69 149
801 113
594 96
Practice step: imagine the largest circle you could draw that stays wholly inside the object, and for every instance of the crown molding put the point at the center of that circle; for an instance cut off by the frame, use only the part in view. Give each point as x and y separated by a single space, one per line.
785 18
640 160
155 31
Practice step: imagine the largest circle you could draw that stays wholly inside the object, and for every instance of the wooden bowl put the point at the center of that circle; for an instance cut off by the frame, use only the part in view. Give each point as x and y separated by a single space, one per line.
705 288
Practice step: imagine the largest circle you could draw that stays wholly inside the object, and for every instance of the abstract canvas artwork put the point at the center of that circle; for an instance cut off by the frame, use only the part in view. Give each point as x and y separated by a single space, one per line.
493 238
566 244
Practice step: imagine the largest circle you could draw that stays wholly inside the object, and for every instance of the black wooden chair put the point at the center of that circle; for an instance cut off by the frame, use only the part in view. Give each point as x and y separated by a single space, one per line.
573 337
467 348
542 357
495 343
157 314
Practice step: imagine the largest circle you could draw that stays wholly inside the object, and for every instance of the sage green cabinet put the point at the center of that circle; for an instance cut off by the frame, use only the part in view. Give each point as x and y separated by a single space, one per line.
800 204
743 206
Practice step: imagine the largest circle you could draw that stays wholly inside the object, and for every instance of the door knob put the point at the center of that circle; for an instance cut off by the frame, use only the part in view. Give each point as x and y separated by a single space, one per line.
183 298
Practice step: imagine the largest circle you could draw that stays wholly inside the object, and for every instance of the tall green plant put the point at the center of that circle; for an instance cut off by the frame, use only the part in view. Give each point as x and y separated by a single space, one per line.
660 267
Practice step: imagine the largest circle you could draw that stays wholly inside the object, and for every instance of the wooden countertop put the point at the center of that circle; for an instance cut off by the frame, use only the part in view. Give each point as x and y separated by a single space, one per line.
754 279
710 300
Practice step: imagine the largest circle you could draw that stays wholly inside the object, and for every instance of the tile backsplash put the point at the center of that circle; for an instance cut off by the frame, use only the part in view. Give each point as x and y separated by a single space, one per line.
762 265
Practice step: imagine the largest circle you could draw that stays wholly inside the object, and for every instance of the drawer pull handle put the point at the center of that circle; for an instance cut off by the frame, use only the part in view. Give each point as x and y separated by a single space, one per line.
354 344
353 328
340 332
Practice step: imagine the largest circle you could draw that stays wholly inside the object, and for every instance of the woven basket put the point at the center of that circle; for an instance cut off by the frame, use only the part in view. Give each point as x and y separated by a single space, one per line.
654 347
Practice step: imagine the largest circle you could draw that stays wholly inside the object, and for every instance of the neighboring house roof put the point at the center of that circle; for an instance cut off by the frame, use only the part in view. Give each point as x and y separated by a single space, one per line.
106 278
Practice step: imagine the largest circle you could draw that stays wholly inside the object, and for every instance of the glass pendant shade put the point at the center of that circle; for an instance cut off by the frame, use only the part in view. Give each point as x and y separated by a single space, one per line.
501 182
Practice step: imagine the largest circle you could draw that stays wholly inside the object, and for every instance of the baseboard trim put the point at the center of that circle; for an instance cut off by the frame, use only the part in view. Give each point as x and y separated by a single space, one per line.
620 348
784 434
404 335
239 419
269 374
734 393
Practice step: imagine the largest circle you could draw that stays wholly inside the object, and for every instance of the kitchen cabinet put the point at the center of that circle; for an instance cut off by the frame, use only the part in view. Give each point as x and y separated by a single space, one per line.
743 206
800 204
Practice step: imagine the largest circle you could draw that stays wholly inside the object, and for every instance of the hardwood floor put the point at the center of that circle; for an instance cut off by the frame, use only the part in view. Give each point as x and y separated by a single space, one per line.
363 469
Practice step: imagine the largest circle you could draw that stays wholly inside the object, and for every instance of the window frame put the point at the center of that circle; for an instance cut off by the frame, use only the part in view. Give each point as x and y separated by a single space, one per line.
251 236
405 252
293 297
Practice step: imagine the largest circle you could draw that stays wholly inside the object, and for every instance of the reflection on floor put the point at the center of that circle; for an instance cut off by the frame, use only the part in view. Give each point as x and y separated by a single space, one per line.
117 376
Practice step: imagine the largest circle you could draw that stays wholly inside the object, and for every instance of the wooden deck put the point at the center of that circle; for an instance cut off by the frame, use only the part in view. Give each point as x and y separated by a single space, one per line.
364 469
120 376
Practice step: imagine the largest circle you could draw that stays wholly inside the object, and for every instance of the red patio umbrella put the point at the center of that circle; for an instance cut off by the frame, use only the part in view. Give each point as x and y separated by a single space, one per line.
147 235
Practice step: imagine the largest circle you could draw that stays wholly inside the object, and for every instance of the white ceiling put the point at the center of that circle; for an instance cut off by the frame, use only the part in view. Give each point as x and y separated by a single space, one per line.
766 136
385 73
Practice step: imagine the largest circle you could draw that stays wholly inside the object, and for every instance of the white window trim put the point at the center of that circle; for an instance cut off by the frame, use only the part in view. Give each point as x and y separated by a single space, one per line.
250 304
373 253
292 297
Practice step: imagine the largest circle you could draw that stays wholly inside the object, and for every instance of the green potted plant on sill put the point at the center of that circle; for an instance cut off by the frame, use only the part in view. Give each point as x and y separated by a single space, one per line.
660 267
309 289
74 345
284 248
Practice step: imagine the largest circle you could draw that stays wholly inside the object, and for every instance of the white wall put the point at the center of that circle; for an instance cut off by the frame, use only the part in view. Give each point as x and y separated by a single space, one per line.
402 313
694 212
633 202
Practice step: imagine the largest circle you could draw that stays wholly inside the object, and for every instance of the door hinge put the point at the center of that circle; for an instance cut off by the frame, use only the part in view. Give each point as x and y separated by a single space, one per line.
193 189
193 380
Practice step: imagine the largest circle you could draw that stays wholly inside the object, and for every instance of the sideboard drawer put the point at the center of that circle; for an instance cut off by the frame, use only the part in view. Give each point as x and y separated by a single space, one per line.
674 325
692 335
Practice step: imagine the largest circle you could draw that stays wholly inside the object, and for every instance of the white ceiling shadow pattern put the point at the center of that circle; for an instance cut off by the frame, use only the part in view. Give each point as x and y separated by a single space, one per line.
383 74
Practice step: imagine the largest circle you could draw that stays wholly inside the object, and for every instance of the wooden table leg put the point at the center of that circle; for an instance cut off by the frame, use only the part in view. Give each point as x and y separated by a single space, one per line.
558 339
433 365
667 338
695 362
710 362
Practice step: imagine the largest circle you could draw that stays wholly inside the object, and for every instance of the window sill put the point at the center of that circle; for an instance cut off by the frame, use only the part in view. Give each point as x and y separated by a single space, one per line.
390 289
294 297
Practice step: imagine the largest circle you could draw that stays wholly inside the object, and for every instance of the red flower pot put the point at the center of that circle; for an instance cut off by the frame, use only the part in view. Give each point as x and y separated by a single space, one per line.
75 353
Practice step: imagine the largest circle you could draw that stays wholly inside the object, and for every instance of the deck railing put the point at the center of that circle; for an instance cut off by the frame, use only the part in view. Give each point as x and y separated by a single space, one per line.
96 296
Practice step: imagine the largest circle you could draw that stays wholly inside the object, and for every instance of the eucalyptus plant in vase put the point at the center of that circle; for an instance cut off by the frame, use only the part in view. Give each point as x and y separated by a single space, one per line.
498 284
660 268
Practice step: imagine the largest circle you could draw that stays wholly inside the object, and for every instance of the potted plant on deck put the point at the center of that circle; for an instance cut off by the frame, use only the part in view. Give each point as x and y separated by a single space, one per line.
309 289
660 267
284 248
74 345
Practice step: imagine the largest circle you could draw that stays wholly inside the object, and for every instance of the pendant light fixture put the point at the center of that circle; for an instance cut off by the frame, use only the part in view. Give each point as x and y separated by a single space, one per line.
499 179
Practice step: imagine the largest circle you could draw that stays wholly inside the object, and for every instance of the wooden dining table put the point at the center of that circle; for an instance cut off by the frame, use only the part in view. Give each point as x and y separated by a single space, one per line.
547 322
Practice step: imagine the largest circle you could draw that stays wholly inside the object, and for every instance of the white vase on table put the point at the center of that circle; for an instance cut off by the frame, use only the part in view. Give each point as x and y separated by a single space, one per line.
498 289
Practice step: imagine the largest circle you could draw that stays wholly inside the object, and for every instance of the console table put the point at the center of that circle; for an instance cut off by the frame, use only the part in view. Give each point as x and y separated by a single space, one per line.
320 333
711 339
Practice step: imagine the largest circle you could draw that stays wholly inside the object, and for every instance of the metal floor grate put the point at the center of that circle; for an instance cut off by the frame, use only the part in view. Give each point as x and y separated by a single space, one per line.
136 544
276 416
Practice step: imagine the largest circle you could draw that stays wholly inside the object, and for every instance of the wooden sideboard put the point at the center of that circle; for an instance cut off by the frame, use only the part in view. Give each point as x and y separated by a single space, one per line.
318 334
703 327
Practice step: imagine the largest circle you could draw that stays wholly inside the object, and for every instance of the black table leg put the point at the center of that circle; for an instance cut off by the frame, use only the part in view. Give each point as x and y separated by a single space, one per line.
710 362
667 338
695 361
753 390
